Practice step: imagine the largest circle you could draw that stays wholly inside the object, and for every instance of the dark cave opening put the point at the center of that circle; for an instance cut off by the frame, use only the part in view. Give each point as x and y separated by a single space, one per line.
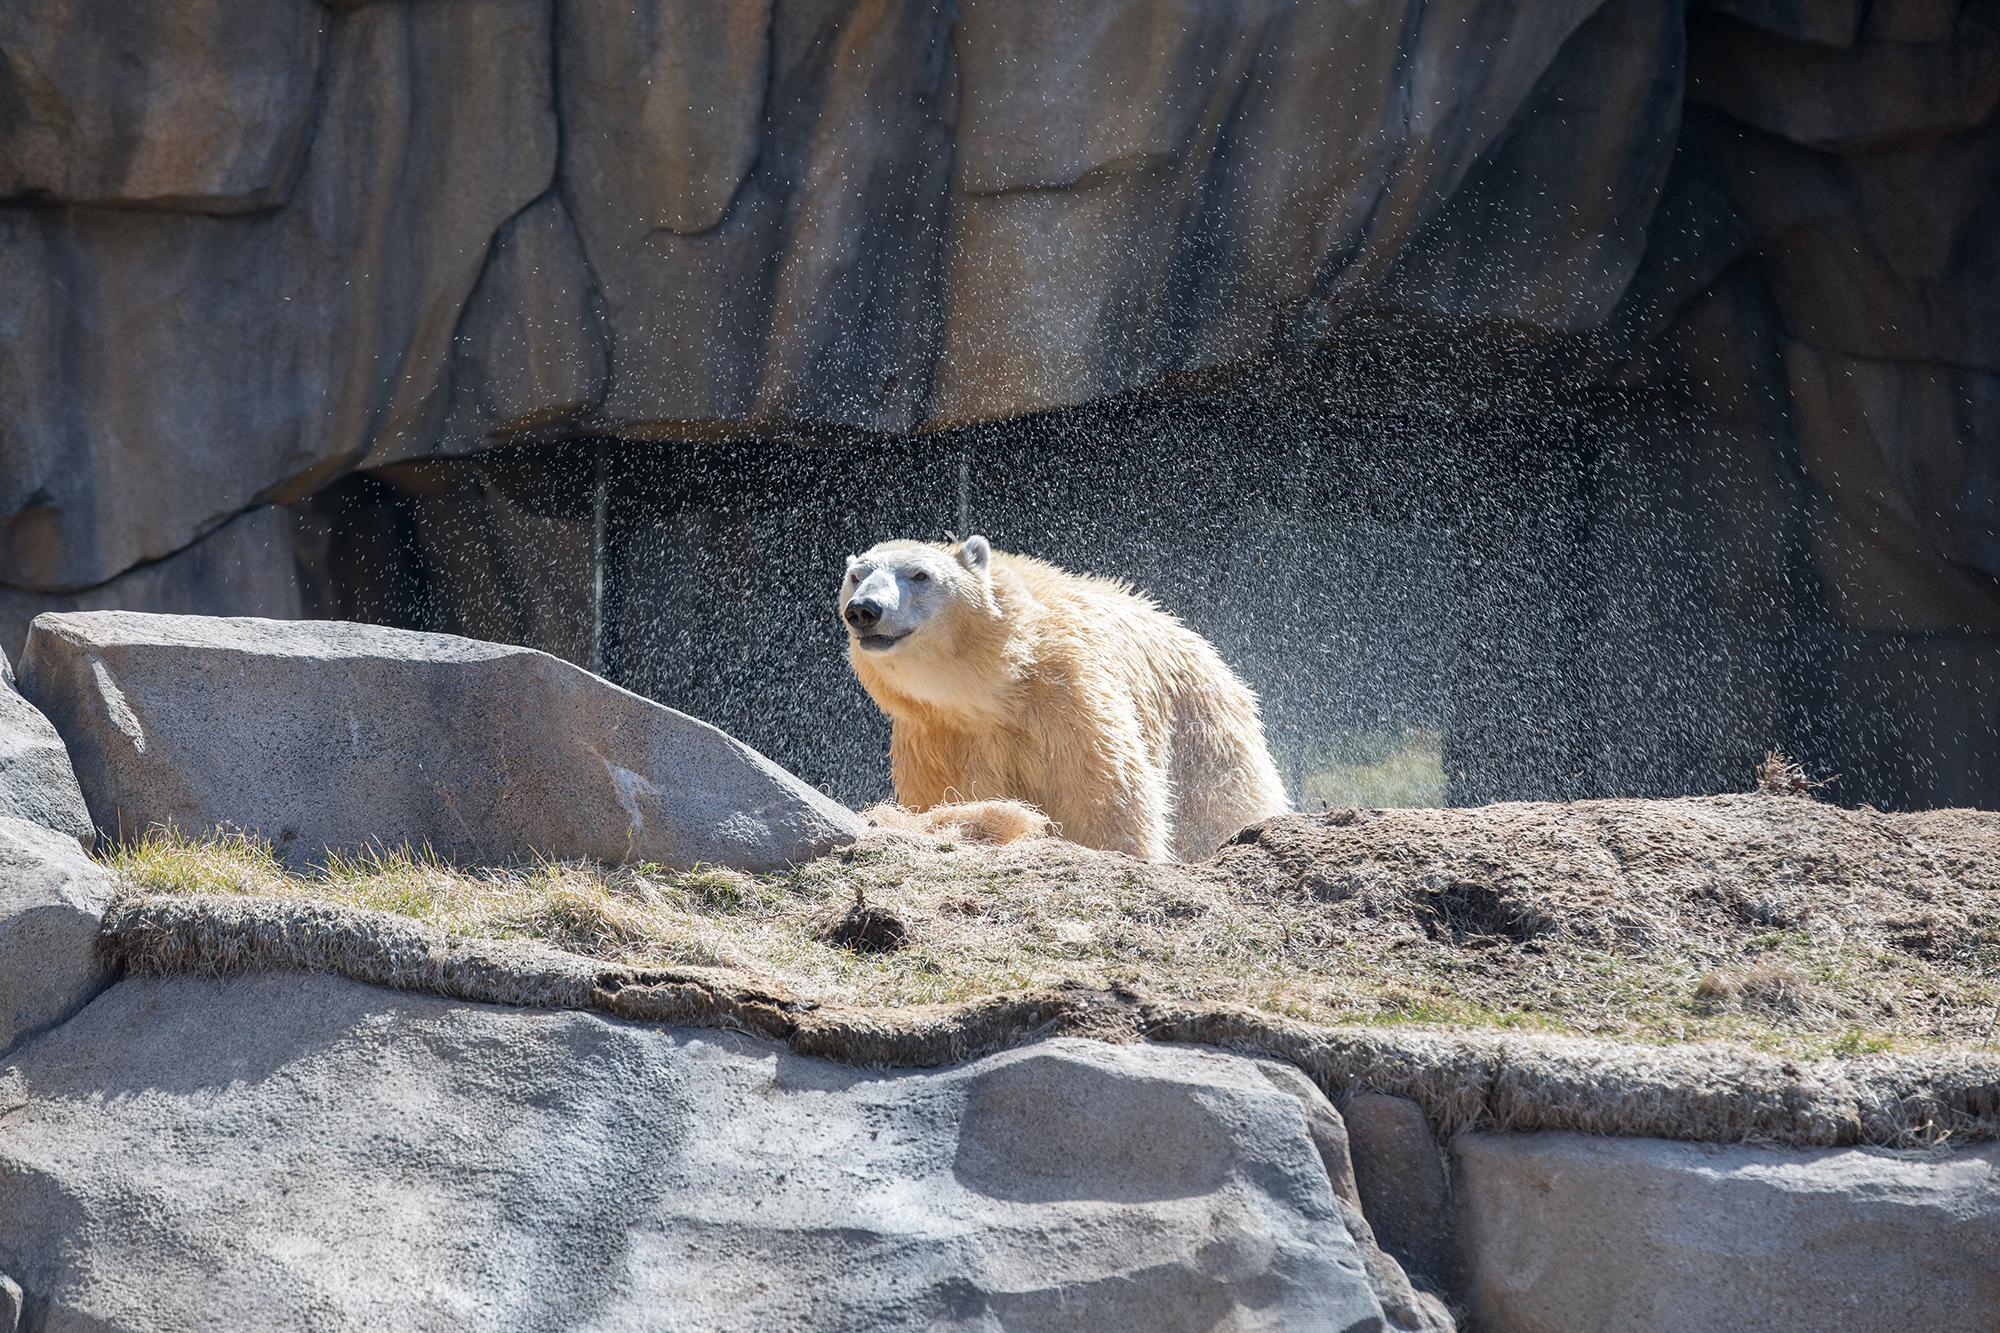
1436 606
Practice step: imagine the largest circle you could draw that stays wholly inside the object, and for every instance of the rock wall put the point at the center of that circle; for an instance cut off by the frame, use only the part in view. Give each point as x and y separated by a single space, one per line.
351 1156
311 238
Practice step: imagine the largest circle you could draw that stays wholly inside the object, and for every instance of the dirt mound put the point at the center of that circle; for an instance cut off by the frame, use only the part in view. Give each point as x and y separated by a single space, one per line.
1640 874
1773 921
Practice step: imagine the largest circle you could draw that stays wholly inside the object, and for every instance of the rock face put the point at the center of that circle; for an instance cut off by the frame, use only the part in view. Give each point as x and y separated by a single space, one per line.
36 781
52 898
890 214
243 568
353 1157
323 735
1564 1232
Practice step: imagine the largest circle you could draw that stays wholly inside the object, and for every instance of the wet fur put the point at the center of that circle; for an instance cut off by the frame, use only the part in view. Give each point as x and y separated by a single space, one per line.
1076 695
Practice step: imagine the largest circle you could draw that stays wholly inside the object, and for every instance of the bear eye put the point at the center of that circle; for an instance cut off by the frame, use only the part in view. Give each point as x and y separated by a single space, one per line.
919 576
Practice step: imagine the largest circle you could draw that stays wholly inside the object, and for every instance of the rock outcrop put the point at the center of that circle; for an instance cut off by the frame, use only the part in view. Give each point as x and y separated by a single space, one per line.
1559 1231
37 783
329 736
52 899
321 237
351 1157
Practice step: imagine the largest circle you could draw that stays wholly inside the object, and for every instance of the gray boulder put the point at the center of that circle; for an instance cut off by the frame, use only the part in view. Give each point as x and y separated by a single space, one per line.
36 781
52 898
346 1156
1400 1179
325 735
1560 1231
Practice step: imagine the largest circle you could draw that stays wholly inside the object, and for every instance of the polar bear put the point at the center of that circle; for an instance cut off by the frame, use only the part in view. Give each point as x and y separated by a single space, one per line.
1005 677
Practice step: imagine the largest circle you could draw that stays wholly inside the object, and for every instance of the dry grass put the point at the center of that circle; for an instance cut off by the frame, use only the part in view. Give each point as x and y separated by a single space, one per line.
1792 927
1377 769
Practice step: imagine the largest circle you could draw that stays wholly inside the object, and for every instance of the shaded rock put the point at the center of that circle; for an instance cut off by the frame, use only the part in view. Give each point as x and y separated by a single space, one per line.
11 1303
201 107
244 568
531 348
1611 105
1400 1174
1564 1232
36 781
326 735
1867 97
259 356
52 898
1908 456
1827 22
346 1156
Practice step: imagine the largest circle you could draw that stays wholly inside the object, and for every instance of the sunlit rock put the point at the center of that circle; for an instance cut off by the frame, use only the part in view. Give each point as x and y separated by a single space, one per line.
1561 1231
345 1156
322 735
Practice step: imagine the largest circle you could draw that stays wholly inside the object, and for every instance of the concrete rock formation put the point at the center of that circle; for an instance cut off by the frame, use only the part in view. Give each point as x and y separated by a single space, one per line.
52 898
320 735
37 783
1559 1231
534 1168
247 247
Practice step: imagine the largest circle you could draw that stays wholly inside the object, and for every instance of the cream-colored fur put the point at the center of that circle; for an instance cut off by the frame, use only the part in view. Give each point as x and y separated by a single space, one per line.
1007 678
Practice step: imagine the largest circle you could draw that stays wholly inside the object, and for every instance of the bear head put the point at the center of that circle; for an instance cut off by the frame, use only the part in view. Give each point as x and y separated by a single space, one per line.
901 598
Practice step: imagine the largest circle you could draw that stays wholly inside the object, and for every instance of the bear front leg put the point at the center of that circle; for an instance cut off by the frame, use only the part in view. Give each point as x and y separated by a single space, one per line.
1103 791
927 766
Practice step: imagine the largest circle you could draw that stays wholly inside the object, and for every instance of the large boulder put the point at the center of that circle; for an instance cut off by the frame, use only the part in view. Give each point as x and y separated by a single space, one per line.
323 735
345 1156
52 898
1560 1231
36 781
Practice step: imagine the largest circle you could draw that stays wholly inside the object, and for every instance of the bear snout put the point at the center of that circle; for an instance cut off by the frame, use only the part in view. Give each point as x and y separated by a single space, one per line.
861 614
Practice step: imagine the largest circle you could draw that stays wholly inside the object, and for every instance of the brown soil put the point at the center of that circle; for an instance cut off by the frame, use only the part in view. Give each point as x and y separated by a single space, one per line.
1766 919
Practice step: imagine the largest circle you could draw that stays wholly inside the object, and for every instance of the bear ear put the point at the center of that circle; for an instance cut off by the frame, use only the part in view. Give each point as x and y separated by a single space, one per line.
975 554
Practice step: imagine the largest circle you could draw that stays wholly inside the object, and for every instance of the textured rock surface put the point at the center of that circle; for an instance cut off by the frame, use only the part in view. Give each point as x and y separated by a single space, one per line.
889 214
36 781
244 568
1564 1232
52 898
321 734
257 355
347 1156
214 123
1400 1178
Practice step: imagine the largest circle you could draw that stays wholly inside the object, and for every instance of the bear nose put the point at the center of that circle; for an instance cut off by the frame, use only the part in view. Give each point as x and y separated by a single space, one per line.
863 615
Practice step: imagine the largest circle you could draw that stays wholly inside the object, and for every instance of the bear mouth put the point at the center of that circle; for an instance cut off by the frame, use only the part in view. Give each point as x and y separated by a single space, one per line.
875 643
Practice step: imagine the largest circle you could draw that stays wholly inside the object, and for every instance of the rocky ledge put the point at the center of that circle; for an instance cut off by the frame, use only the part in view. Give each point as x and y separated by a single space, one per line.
212 1116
